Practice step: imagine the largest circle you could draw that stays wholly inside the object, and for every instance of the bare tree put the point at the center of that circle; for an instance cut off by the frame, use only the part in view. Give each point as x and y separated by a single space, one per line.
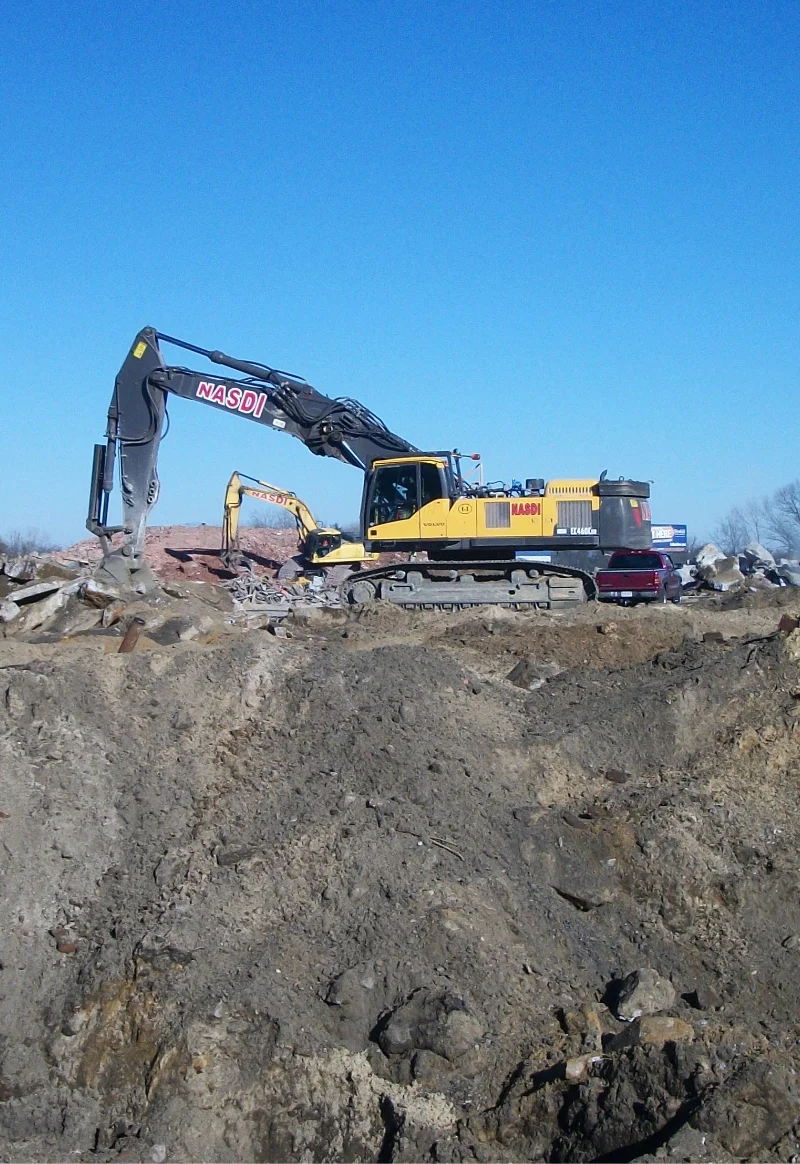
784 517
16 544
756 518
731 533
271 518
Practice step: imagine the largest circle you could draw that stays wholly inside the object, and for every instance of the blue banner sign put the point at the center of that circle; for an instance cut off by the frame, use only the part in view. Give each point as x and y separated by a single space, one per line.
669 537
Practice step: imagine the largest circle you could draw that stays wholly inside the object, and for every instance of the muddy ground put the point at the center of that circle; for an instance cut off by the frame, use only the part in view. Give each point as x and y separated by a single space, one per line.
356 895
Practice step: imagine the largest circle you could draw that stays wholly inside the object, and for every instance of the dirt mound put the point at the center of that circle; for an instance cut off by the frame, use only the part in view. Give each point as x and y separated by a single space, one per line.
191 553
352 896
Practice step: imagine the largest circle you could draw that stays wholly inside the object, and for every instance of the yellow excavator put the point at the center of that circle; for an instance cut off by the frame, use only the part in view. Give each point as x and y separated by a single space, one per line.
320 548
471 542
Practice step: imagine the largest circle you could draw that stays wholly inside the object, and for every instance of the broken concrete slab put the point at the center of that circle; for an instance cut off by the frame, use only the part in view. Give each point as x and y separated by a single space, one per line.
709 554
8 611
789 574
721 573
34 590
37 613
20 569
758 556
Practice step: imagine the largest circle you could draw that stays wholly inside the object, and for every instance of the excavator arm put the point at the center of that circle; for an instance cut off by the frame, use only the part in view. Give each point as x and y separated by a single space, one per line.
340 428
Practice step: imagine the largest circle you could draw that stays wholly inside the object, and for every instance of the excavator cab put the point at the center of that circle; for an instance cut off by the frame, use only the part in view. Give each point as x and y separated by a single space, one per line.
401 496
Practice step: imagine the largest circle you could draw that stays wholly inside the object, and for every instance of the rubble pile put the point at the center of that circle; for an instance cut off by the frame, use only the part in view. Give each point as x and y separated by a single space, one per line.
256 594
756 565
61 599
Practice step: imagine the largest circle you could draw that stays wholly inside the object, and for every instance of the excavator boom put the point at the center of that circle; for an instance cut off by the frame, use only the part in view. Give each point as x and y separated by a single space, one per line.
340 428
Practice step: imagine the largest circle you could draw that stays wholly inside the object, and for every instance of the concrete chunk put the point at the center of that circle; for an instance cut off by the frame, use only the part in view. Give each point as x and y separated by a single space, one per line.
758 556
35 590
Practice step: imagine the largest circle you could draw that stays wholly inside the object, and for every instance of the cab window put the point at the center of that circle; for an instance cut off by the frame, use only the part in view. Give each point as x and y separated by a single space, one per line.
431 480
394 497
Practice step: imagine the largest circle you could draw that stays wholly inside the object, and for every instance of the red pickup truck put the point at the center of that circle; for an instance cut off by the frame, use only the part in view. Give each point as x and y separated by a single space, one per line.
638 576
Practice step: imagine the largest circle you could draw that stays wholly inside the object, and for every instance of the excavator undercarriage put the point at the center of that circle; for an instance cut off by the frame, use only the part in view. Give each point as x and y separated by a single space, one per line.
432 585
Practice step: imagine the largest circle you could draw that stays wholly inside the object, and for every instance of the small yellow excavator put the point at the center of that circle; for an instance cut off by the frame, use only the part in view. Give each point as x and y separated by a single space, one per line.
320 548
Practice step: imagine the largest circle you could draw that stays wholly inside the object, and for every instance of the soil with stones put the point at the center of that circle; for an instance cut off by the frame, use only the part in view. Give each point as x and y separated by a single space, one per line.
357 895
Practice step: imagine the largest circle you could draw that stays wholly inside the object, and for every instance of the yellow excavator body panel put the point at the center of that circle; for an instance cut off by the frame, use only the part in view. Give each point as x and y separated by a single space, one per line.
562 509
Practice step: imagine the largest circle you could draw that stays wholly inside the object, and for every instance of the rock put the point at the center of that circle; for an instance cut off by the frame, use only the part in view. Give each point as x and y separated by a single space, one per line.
704 998
408 713
209 592
438 1023
656 1030
429 1069
577 1069
173 630
792 942
687 574
713 637
66 947
793 645
643 992
233 855
530 676
751 1111
787 624
112 613
616 775
158 1153
8 611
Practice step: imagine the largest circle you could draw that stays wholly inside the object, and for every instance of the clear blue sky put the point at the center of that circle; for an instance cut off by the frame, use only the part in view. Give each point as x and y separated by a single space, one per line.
562 234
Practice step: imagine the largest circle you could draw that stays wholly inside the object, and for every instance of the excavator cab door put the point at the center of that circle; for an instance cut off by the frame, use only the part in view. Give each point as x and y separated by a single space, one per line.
393 500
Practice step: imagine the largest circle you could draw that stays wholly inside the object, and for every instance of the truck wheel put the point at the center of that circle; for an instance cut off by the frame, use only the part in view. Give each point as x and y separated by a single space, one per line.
676 601
361 592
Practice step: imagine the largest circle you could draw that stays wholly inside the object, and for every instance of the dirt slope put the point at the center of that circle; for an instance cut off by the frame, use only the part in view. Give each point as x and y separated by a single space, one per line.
356 896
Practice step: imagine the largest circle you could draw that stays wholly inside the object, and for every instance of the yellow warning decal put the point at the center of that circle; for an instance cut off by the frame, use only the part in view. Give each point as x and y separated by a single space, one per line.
139 350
